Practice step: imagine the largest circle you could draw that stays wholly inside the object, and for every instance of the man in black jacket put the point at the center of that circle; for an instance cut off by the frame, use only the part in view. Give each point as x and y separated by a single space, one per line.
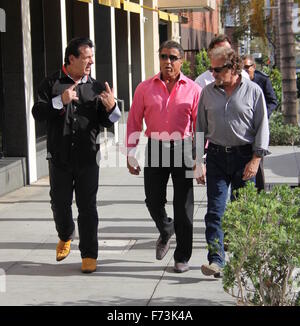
75 106
265 84
263 81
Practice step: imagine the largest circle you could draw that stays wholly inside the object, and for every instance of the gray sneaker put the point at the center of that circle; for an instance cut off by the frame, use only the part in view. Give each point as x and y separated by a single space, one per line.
212 269
181 267
162 248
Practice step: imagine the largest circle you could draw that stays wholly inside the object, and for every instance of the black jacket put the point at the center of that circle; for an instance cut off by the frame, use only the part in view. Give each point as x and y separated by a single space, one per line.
72 131
264 82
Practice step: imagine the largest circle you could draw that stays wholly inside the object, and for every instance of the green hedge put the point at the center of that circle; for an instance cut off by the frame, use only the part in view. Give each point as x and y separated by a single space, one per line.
263 232
282 134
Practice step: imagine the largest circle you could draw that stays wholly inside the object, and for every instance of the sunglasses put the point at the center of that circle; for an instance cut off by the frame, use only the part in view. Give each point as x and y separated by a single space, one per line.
172 57
219 69
246 67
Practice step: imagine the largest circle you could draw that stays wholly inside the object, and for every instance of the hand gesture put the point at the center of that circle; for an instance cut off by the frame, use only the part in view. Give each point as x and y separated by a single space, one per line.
69 95
107 97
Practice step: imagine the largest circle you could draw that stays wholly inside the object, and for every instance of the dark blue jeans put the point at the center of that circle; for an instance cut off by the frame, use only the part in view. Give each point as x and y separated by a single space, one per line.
222 169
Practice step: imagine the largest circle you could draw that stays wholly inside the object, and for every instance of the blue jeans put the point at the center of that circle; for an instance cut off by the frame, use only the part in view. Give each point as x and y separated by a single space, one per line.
222 169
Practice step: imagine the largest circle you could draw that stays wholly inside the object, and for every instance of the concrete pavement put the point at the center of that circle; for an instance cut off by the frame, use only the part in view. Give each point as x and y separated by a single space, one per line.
128 273
283 166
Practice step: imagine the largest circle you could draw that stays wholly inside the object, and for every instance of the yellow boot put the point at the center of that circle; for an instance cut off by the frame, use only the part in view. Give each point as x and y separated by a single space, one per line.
89 265
63 249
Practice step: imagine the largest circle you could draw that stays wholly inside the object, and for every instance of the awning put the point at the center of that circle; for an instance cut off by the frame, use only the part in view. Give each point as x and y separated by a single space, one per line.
187 4
131 6
135 8
111 3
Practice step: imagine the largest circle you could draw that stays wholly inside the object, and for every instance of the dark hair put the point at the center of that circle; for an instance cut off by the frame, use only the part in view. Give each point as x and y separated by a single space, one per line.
218 39
231 58
170 44
74 45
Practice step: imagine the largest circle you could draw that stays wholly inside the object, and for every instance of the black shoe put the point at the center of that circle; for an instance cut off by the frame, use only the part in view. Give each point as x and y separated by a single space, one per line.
181 267
162 248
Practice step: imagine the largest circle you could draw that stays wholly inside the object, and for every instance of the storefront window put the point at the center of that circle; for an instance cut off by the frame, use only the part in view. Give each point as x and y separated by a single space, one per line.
38 57
1 101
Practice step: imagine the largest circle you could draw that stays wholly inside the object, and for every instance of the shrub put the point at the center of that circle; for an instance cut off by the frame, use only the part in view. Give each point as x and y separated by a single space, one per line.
282 134
263 232
276 81
186 68
202 62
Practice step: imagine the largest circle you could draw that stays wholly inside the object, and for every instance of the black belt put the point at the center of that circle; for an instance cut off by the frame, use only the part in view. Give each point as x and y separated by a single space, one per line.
229 149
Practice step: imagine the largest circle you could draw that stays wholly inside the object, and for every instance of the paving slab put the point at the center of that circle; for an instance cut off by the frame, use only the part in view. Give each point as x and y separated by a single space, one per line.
283 165
128 273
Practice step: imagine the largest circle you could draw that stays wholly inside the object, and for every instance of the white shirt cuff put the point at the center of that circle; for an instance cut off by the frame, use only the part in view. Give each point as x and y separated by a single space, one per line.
115 115
131 151
57 102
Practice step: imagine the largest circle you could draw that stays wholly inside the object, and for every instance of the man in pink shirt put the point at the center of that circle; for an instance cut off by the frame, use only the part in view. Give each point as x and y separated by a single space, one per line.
168 102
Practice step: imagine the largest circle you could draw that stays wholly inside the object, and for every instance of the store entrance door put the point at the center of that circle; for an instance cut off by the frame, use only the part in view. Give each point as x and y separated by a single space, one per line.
1 98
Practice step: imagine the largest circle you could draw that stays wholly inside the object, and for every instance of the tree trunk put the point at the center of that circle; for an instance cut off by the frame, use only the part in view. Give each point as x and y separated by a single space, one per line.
288 62
275 13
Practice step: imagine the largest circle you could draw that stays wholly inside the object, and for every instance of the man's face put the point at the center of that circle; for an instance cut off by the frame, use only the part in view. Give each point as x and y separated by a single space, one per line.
222 75
170 63
249 66
81 66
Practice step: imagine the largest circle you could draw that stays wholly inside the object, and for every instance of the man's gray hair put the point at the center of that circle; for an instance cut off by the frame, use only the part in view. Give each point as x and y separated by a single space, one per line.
248 57
221 38
229 55
170 44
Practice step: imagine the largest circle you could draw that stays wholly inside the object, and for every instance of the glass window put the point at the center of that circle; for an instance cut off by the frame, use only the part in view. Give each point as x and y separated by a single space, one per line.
38 57
1 101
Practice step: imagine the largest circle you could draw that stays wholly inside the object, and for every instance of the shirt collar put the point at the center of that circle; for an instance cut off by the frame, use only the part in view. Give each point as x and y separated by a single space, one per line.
83 80
182 78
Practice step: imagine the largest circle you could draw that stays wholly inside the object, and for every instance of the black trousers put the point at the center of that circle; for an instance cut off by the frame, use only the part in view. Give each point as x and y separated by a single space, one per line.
155 182
84 181
260 176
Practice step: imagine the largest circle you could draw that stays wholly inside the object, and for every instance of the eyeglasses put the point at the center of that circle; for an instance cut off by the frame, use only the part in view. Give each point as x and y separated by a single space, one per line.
172 57
246 67
219 69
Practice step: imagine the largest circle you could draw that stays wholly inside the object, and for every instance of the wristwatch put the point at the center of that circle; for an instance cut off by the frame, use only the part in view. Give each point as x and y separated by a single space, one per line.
260 153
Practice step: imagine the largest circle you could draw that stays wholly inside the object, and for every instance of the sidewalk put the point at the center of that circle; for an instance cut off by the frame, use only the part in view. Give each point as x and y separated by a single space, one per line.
128 273
283 165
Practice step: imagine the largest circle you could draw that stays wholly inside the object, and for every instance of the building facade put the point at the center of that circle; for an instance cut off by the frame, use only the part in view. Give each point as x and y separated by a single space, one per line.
33 37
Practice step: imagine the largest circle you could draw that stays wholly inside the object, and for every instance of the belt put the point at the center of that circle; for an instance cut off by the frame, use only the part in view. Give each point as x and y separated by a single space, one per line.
229 149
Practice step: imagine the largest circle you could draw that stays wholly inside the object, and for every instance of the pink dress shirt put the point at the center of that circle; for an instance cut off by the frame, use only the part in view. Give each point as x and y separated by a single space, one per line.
167 116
